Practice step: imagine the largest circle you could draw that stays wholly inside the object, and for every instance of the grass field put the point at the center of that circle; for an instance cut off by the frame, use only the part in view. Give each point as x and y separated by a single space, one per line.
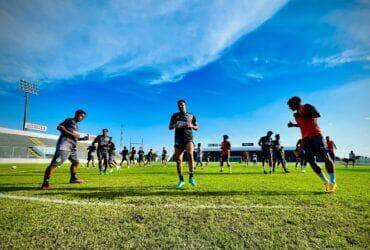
140 208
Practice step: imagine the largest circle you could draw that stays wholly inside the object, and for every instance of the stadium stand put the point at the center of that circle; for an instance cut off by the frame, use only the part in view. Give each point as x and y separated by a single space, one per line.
26 144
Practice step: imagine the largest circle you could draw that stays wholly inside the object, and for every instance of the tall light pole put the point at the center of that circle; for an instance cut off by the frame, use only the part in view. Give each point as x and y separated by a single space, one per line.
121 139
28 88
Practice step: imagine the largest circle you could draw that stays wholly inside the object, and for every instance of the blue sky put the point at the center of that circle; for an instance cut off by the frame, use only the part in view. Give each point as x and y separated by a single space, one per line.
235 62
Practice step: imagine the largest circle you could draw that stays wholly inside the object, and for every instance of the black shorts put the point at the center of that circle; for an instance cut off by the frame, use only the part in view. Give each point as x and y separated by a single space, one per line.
224 158
60 156
141 158
103 155
266 154
278 155
181 144
90 157
314 146
163 157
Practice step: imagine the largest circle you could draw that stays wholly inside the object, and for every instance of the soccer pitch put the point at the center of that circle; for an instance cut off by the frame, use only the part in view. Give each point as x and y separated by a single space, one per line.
141 208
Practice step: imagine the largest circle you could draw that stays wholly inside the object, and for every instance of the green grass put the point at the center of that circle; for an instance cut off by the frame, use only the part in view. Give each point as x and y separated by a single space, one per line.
306 217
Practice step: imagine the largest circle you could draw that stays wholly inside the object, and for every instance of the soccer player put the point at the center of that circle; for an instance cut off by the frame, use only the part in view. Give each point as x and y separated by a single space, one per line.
184 123
125 157
306 117
331 148
199 155
103 142
254 159
149 157
278 154
208 158
91 150
132 155
141 156
112 155
245 158
66 148
164 156
265 143
299 154
225 153
351 158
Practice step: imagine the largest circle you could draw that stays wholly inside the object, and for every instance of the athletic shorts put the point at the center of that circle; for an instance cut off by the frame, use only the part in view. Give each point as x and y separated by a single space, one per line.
60 156
266 154
225 158
314 146
181 144
164 158
278 155
90 157
103 155
199 159
141 158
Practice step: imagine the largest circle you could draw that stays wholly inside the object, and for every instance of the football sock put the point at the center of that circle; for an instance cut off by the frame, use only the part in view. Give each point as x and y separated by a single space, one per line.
332 178
181 178
322 177
191 175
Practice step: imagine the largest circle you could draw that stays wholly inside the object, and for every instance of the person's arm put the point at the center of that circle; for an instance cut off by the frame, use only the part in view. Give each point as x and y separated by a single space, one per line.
95 141
291 124
260 142
335 146
172 123
310 111
194 124
61 127
85 138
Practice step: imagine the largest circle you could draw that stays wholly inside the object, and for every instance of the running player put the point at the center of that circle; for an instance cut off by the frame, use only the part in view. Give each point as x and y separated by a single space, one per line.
66 148
132 156
125 157
299 154
164 156
103 142
351 158
245 158
112 155
184 123
225 153
149 157
141 154
278 154
91 150
331 148
265 143
312 139
199 155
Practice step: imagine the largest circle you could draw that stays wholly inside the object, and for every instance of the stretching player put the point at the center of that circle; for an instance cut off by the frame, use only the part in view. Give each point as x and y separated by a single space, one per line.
312 139
164 156
278 154
225 153
66 148
199 155
331 148
91 150
103 142
125 157
266 143
184 123
132 156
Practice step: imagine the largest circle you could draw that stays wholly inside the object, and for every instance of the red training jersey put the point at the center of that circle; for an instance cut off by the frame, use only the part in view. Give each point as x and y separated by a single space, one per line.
309 126
225 147
330 145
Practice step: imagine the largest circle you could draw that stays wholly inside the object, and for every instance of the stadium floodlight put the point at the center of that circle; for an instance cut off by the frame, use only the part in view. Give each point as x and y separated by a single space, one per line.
28 88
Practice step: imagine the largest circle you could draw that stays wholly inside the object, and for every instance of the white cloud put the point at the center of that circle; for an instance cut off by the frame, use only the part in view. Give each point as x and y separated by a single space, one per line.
346 56
61 39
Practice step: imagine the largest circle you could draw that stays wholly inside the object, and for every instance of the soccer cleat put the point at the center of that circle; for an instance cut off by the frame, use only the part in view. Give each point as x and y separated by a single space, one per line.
327 187
76 181
181 184
46 186
264 171
192 181
331 188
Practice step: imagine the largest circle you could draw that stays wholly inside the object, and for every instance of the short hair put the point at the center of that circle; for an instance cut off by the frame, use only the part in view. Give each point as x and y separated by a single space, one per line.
180 101
270 132
225 136
294 99
80 112
105 130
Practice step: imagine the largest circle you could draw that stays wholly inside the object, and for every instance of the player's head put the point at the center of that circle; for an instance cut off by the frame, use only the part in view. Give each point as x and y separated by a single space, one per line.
80 115
294 103
124 147
327 138
181 104
133 148
269 133
199 144
105 132
225 137
164 148
277 136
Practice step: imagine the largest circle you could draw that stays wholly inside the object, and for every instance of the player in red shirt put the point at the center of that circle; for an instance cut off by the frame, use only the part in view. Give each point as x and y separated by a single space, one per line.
225 153
331 148
312 140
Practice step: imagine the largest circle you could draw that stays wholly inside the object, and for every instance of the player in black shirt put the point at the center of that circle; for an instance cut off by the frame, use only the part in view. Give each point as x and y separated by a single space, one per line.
125 156
184 123
149 157
103 142
265 143
164 156
91 150
141 154
278 154
66 148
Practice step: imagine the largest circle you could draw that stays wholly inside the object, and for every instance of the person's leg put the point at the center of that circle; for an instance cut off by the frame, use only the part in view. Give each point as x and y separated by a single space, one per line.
73 169
178 158
190 151
221 163
228 162
263 161
58 159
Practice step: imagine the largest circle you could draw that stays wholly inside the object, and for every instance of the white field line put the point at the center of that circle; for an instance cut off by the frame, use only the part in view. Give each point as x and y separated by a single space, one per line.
130 205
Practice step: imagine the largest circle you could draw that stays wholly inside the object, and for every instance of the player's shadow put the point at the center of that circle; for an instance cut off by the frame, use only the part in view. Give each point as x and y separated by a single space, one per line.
18 188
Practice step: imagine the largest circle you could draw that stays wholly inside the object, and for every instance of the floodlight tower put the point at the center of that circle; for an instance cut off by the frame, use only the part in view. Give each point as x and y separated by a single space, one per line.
28 88
121 139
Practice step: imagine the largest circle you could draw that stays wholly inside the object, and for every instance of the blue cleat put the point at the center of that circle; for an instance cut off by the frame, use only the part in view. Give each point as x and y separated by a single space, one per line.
181 184
192 181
